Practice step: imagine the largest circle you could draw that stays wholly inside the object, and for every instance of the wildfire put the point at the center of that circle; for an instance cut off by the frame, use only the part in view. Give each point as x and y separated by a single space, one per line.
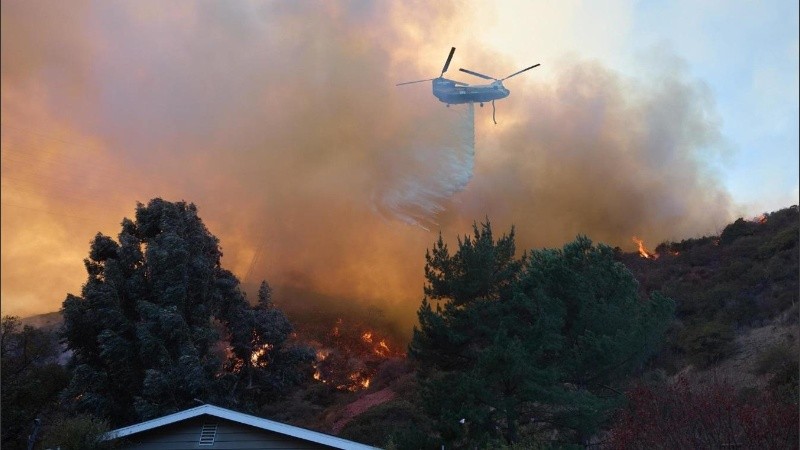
382 349
762 219
256 355
348 356
642 250
358 381
321 355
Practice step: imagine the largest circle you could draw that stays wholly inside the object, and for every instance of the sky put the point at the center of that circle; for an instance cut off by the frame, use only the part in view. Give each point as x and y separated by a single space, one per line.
281 121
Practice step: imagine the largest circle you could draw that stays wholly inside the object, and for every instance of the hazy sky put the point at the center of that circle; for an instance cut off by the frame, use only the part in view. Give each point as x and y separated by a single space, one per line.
282 123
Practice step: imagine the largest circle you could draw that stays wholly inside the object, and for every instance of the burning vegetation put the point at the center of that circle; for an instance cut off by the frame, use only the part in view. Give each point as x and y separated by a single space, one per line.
749 272
643 250
665 248
348 354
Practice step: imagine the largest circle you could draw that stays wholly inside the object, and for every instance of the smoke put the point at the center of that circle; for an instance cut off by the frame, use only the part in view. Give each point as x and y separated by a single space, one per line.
282 122
605 155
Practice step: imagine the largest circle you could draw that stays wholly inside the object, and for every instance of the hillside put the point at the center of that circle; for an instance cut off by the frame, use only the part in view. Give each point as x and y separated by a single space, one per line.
736 319
725 286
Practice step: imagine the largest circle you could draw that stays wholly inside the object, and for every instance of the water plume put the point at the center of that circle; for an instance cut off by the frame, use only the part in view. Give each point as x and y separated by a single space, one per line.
438 164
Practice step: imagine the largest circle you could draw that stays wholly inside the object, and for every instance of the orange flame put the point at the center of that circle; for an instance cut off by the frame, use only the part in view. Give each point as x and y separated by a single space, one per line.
256 355
642 250
358 382
367 336
321 355
382 349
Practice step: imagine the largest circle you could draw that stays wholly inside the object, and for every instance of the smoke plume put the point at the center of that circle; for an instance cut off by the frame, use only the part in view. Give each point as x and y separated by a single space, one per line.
282 123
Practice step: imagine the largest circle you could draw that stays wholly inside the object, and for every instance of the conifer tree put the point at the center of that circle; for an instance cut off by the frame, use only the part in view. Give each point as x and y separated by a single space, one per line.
31 380
518 345
146 331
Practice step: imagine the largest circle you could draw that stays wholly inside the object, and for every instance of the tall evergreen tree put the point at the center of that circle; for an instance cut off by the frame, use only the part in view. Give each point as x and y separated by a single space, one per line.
523 344
145 332
31 379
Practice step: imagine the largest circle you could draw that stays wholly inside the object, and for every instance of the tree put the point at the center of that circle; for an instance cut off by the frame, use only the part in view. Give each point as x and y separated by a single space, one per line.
31 381
146 330
264 365
81 432
515 346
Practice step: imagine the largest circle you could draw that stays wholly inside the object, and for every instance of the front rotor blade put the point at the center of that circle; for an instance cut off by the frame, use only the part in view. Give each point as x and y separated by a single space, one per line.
523 70
412 82
447 63
477 74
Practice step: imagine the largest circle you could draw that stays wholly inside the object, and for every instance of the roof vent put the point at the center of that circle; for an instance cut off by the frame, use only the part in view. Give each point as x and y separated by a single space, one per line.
208 434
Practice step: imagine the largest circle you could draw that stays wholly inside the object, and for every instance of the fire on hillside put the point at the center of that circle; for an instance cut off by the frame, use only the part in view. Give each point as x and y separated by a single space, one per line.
348 354
643 251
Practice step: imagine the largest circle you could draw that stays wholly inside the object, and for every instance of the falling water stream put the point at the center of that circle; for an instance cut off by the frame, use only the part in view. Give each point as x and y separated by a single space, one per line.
440 164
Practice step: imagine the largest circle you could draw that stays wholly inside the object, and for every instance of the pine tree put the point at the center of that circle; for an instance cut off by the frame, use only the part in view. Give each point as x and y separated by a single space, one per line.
518 345
31 381
146 330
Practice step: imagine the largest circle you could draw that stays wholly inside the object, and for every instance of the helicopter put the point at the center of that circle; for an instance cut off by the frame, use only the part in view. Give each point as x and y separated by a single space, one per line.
451 92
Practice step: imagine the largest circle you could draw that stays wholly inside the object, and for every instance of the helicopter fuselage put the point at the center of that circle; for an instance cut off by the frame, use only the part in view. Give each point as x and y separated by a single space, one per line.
447 91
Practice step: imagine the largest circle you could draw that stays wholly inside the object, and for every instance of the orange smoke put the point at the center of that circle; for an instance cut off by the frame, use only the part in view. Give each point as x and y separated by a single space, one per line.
284 156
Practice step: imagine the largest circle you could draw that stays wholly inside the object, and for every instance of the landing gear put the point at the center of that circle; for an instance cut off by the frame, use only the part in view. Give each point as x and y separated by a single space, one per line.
448 105
481 105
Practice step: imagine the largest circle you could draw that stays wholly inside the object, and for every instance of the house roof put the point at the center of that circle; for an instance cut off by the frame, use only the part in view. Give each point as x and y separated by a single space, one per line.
246 419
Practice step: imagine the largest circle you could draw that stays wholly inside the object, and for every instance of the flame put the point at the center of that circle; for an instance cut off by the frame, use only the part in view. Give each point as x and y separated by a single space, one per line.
349 354
382 349
321 355
358 382
642 250
762 219
256 355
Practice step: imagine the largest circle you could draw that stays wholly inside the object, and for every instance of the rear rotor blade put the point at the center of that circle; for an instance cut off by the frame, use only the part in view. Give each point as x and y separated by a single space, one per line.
523 70
477 74
447 63
412 82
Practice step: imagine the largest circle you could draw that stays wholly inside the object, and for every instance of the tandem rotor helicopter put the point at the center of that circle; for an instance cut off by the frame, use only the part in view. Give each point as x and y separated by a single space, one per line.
451 92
